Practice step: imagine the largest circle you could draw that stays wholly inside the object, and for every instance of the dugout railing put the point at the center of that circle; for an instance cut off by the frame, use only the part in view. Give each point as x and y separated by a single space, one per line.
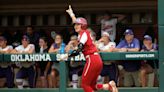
63 68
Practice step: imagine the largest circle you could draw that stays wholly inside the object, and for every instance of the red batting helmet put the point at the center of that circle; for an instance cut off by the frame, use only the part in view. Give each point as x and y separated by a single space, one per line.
82 21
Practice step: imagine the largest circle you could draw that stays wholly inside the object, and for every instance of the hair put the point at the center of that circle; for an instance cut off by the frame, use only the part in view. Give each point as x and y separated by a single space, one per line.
74 36
44 38
26 37
4 37
59 35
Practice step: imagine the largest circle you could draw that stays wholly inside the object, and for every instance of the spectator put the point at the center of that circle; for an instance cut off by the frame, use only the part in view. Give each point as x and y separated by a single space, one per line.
93 35
151 32
109 67
148 66
75 68
55 48
56 45
108 24
6 69
44 67
130 44
33 36
26 69
4 48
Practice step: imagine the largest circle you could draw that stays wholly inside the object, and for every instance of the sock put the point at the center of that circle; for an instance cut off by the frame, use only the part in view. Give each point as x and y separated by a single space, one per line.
20 86
74 80
99 86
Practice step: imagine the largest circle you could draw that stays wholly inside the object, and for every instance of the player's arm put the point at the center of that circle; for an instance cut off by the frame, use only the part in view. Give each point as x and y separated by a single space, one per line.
83 40
120 47
111 49
16 50
120 17
126 49
116 49
133 49
52 49
9 50
136 48
71 14
30 50
69 47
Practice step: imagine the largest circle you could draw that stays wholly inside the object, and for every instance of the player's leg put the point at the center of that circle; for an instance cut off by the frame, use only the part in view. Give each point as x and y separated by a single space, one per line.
2 75
43 79
73 76
54 75
54 78
105 73
91 72
1 72
145 69
94 83
9 77
22 73
31 76
87 76
108 86
113 72
48 78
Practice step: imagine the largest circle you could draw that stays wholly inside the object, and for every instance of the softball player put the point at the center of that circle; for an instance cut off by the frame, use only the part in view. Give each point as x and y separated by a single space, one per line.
26 69
6 69
94 63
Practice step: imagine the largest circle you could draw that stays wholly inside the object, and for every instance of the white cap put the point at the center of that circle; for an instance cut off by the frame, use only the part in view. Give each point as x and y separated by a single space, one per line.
105 34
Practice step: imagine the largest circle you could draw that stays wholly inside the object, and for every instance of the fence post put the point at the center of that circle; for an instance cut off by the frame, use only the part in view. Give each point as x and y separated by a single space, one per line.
63 77
161 44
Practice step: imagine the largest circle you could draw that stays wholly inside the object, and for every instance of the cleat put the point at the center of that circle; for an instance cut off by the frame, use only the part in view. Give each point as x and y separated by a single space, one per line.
113 85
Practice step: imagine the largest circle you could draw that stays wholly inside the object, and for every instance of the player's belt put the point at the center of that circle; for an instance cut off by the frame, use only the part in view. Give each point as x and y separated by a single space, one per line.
96 53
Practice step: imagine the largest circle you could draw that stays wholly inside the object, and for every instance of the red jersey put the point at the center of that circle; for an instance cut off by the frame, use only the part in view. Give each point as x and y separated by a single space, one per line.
86 39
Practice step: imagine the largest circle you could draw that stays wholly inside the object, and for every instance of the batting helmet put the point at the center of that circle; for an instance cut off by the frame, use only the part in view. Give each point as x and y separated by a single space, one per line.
82 21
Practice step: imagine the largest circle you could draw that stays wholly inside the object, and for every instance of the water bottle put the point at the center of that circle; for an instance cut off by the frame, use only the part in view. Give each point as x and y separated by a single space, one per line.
62 51
62 48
